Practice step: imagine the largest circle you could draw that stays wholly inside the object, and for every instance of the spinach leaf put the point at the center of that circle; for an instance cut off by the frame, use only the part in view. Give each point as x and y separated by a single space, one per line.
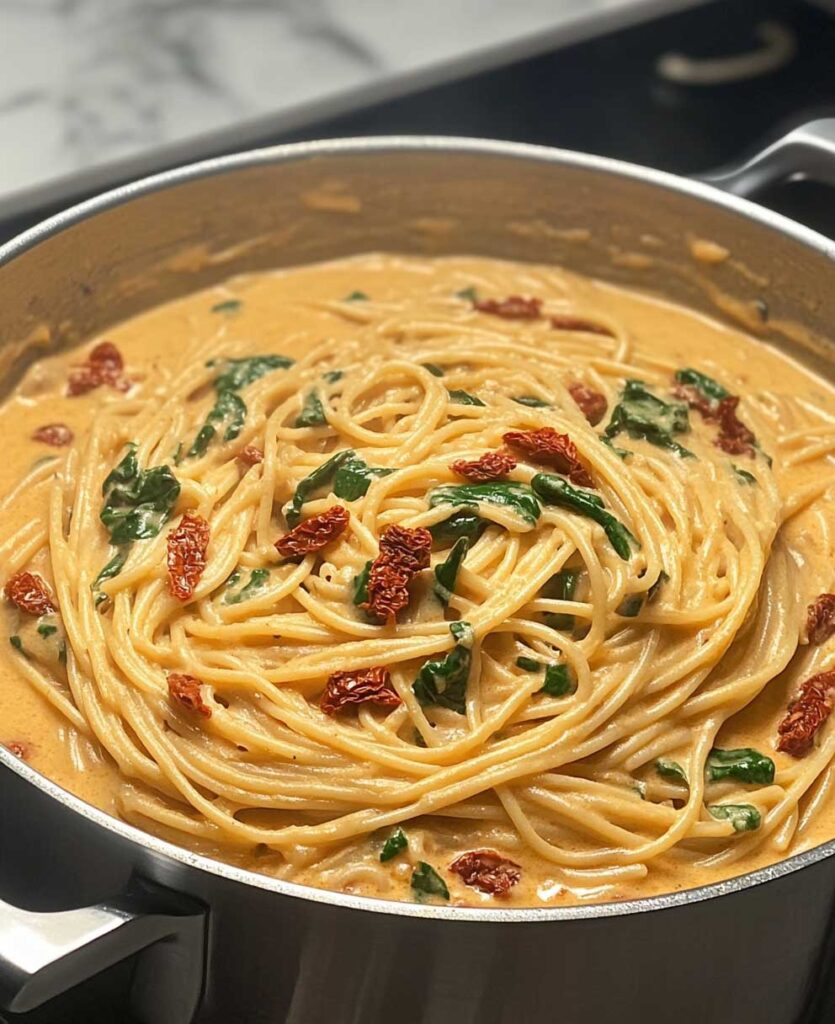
306 488
256 582
459 524
447 572
396 843
554 490
710 388
464 398
313 412
361 584
561 587
622 453
671 770
652 593
356 297
558 681
517 497
46 629
744 765
332 376
743 476
137 502
434 369
228 410
642 414
427 882
467 294
238 373
743 817
353 477
443 681
113 567
532 402
229 306
631 606
17 643
529 664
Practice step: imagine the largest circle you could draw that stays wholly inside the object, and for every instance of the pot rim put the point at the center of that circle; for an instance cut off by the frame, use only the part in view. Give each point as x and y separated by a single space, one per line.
360 146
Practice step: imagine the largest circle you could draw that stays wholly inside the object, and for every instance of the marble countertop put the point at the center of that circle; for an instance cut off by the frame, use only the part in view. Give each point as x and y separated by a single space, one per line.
86 83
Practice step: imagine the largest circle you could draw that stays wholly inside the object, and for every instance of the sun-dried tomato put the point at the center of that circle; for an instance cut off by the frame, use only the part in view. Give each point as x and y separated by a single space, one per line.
186 691
696 400
806 714
734 437
19 749
489 466
28 592
362 686
550 448
592 404
104 365
514 307
56 434
315 533
820 619
403 553
187 547
567 322
487 871
250 456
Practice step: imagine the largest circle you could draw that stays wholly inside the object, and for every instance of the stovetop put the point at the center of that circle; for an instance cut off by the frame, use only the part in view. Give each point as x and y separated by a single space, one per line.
750 70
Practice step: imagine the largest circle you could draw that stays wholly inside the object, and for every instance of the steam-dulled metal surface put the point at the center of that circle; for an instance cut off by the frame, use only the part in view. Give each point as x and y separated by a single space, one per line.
746 950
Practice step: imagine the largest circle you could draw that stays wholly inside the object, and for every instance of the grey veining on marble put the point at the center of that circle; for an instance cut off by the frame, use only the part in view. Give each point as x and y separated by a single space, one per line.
87 82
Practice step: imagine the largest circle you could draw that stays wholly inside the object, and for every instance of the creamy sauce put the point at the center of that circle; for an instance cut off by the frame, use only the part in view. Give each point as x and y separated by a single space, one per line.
276 312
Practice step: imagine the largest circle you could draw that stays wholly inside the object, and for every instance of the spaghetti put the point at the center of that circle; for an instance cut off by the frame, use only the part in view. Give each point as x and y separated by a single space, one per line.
459 585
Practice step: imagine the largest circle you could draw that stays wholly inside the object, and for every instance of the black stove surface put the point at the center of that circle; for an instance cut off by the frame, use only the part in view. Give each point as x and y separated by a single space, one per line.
610 96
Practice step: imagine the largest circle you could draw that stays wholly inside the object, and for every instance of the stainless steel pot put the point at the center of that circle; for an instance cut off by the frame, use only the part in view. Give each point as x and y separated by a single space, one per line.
220 945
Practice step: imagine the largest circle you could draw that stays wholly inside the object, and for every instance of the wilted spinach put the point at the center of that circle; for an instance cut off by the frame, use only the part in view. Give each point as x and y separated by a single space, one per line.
642 414
137 502
519 498
447 572
554 490
743 765
443 681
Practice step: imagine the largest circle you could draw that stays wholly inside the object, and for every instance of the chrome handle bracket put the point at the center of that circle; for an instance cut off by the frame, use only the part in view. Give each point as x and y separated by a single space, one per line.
43 954
807 152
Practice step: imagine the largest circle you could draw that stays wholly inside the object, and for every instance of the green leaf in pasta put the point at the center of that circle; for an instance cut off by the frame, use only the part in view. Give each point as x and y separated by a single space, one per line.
239 373
643 415
742 765
532 402
561 587
559 681
396 843
254 585
313 412
743 817
427 882
464 398
671 770
711 389
447 572
554 490
137 502
519 498
443 681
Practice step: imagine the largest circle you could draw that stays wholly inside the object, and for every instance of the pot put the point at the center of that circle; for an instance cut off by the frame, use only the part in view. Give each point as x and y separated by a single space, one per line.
213 943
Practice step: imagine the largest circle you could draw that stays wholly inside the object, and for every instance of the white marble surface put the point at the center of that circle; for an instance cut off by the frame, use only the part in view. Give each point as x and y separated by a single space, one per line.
84 83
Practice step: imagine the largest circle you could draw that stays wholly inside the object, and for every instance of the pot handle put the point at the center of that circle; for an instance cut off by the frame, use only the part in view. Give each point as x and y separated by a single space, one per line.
806 152
45 954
